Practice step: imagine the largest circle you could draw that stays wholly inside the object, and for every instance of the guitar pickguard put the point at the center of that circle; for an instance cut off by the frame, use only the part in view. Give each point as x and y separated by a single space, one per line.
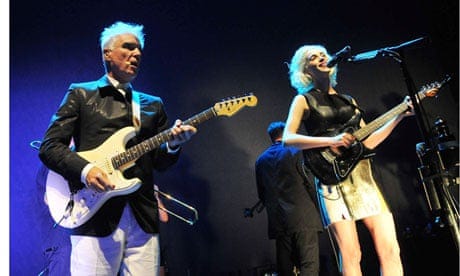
344 163
331 168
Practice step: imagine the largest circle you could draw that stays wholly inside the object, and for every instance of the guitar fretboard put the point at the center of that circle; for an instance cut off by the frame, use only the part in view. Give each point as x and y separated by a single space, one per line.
154 142
368 129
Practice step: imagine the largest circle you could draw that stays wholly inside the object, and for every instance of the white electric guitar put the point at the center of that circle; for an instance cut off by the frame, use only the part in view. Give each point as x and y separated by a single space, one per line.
71 210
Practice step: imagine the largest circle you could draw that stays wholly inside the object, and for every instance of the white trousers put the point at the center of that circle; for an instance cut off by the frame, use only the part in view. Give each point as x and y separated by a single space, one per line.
128 251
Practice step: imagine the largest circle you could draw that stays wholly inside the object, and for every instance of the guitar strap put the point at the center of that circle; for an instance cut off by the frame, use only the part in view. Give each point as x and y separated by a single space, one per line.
367 153
136 111
349 100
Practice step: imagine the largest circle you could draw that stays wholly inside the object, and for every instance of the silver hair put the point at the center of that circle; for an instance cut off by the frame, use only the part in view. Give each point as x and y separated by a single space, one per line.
118 28
300 80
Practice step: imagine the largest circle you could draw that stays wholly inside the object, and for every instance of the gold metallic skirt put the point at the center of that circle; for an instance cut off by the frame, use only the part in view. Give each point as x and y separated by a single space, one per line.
355 198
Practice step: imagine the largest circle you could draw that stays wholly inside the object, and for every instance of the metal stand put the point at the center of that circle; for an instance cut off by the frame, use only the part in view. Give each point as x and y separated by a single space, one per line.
439 173
436 175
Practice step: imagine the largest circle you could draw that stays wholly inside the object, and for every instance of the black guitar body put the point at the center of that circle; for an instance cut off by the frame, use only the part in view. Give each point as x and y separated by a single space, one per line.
331 168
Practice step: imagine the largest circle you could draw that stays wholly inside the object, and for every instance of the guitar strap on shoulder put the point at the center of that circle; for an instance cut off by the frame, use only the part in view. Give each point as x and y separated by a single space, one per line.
349 100
136 111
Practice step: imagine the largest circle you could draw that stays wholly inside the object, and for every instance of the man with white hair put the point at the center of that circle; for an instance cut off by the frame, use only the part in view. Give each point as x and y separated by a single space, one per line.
122 236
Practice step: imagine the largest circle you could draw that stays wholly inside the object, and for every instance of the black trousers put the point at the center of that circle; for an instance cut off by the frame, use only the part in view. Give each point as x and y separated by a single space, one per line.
301 249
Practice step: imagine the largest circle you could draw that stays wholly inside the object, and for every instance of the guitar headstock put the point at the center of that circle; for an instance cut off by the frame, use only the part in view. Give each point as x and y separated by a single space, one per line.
230 106
432 89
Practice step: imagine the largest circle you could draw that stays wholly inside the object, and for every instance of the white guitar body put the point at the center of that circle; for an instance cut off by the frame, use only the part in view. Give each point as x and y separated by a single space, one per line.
87 202
73 210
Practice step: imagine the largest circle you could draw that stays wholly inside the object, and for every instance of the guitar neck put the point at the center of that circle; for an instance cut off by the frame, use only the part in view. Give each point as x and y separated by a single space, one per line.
154 142
368 129
429 91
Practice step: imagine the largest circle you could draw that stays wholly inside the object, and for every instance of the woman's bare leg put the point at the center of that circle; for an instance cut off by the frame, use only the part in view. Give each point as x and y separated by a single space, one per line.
346 235
383 232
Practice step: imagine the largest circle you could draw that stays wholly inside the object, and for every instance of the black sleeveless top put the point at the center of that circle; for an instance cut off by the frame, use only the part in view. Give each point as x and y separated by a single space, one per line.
330 114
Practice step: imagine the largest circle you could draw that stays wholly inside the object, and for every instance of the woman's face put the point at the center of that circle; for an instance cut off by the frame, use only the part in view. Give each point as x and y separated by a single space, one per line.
316 63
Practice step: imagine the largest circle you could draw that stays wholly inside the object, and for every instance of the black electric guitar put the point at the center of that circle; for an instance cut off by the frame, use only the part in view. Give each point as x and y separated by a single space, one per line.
71 210
332 166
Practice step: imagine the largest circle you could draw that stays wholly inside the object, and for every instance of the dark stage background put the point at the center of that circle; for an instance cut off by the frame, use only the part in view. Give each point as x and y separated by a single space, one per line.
199 52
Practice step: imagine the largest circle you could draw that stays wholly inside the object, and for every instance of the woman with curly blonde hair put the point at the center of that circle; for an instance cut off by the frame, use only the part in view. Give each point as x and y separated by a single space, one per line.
324 113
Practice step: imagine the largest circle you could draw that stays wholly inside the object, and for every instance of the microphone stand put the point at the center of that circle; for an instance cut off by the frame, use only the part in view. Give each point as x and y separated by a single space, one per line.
394 52
435 174
441 178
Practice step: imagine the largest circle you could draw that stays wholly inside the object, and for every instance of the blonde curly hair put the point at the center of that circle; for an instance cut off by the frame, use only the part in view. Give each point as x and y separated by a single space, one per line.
300 80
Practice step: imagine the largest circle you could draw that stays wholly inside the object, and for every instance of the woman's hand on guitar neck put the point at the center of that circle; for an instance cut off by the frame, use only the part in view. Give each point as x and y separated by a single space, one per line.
410 109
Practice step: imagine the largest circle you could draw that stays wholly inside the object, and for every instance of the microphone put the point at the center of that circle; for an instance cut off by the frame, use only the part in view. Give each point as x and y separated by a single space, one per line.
339 56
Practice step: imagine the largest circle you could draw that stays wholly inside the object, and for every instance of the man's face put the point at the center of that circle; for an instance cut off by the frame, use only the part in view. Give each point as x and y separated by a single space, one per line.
123 58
